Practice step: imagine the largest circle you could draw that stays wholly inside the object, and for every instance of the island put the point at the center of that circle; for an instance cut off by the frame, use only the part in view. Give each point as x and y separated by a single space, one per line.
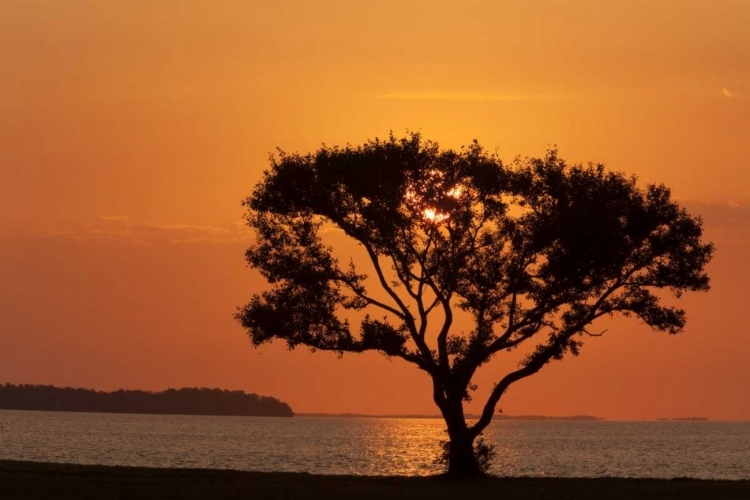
185 401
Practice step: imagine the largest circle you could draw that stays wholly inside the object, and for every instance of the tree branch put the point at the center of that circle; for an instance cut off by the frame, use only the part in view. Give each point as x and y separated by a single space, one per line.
408 318
600 334
536 362
423 313
406 356
358 292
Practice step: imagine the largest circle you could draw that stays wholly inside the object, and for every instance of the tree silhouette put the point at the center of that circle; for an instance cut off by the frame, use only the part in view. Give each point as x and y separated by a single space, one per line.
533 252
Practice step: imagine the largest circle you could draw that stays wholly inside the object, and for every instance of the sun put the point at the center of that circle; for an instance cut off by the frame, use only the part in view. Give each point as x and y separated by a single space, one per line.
434 216
428 212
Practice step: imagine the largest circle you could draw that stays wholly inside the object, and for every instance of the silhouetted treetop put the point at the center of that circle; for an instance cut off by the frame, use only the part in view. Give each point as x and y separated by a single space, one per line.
536 249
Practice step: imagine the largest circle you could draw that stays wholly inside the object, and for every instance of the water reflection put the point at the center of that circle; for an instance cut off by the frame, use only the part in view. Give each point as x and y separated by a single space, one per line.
377 446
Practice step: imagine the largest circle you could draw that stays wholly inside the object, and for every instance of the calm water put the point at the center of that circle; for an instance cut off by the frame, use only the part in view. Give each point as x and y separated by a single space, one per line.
717 450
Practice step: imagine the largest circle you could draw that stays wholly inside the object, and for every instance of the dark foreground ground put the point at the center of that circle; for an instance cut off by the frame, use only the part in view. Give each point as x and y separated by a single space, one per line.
27 480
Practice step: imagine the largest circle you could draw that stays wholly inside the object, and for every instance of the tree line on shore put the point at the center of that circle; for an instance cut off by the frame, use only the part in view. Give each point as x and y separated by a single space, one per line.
185 401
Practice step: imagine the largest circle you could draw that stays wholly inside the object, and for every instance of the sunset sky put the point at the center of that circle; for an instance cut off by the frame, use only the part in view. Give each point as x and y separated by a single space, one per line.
131 131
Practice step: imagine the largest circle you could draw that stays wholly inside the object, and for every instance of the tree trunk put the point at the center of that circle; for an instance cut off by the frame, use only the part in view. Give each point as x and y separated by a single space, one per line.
462 463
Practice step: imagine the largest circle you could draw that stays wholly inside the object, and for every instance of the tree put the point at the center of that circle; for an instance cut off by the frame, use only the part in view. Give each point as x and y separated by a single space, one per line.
533 252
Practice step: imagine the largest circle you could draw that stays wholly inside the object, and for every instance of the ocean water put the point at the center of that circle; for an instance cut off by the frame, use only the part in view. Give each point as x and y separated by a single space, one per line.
709 450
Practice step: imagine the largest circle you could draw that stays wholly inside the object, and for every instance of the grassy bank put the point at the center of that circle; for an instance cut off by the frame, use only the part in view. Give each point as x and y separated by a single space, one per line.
27 480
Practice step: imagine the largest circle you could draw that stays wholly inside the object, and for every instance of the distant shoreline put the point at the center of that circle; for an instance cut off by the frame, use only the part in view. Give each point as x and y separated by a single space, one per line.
586 418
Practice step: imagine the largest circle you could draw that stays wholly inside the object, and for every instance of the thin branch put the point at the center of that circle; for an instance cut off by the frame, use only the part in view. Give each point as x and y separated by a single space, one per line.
600 334
433 305
406 356
404 274
442 339
384 283
358 292
408 318
512 311
423 314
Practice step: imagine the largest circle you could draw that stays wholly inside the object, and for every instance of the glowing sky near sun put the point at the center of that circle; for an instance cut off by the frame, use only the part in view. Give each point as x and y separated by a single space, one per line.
131 131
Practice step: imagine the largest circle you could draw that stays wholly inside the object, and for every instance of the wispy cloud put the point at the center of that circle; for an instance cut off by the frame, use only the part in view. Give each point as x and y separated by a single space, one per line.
463 96
726 93
726 221
702 202
119 228
115 217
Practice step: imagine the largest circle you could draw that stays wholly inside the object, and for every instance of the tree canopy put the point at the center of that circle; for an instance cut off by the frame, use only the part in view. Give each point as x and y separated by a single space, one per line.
533 252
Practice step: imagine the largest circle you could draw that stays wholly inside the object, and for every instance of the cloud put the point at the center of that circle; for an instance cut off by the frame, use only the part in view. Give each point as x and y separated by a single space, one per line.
119 228
462 96
714 206
726 93
179 228
724 221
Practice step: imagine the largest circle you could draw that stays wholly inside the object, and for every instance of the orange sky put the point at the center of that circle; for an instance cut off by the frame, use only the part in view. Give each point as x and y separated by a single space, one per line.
131 131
